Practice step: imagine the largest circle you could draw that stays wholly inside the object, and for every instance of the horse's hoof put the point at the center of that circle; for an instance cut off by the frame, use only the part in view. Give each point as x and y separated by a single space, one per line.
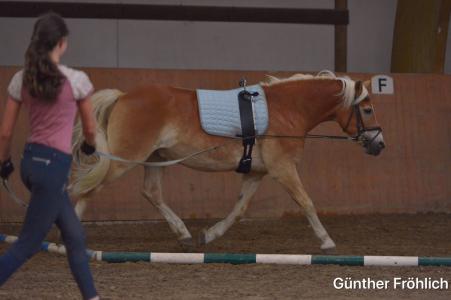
330 251
328 245
187 244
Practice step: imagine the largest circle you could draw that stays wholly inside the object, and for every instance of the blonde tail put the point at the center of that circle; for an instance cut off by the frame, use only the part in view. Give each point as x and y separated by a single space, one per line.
89 172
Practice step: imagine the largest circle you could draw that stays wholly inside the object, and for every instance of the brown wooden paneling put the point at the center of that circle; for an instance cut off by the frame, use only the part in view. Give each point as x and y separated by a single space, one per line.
31 9
341 40
411 175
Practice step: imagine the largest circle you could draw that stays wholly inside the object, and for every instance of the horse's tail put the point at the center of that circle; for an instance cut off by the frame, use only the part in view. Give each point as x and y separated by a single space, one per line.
89 171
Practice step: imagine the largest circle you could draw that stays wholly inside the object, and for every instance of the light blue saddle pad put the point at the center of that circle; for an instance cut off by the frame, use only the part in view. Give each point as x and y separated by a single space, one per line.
220 113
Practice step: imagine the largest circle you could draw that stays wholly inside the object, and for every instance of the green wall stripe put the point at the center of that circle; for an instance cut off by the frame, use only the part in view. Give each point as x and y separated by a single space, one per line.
337 260
230 258
119 257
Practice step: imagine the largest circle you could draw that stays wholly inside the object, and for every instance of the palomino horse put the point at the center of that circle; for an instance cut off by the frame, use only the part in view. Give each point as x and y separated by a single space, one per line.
158 123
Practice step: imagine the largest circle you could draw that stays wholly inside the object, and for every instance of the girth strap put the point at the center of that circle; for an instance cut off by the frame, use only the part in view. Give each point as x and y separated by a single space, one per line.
247 130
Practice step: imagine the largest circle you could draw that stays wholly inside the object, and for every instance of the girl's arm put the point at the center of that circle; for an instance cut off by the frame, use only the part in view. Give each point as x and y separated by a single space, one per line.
10 116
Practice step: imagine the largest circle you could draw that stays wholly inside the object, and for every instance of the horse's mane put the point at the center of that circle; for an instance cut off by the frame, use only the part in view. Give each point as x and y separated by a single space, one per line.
348 85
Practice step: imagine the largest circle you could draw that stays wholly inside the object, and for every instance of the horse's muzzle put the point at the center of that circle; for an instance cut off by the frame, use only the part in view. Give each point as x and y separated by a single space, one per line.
375 148
373 142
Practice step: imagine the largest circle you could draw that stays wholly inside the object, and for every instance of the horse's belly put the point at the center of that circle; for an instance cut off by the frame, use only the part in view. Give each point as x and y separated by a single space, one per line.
220 161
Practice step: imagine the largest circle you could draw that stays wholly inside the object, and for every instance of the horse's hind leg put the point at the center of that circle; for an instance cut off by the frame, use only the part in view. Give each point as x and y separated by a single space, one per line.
115 170
288 176
152 191
249 186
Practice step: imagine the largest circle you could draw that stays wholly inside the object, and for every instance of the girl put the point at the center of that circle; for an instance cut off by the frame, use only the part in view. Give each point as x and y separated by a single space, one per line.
51 92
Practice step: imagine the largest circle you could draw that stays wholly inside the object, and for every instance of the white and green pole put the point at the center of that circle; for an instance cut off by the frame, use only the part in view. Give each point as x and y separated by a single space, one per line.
237 258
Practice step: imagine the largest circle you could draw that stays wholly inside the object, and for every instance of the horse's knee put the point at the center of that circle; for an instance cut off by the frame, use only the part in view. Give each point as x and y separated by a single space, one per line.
145 194
308 207
148 195
152 194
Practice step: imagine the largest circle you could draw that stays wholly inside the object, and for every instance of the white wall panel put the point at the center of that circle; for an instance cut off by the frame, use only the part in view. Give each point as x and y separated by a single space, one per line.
15 34
92 43
211 45
370 35
197 45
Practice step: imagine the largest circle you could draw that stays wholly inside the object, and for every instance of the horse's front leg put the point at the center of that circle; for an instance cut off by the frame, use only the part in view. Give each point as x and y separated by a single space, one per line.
152 191
287 175
249 186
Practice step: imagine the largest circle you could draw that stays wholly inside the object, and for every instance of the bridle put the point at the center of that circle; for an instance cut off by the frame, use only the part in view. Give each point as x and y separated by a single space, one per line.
361 128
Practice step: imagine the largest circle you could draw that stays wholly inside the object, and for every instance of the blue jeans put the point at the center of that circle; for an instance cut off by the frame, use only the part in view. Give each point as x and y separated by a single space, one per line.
45 171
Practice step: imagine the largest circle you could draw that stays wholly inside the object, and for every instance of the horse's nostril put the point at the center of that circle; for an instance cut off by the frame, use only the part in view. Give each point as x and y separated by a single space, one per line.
381 145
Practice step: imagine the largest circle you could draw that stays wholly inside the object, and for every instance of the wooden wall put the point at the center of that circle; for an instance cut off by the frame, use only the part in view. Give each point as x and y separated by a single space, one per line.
419 36
413 174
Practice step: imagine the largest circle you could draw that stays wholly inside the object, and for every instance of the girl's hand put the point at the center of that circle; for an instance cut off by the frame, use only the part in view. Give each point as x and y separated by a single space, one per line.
87 149
6 168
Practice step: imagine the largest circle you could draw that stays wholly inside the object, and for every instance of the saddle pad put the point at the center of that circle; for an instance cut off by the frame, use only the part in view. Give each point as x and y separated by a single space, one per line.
220 113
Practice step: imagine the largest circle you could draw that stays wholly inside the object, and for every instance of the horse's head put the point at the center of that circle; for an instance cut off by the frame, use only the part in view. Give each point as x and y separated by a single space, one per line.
359 121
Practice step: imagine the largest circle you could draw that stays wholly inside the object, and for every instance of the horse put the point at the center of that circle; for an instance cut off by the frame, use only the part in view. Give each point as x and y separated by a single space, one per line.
160 123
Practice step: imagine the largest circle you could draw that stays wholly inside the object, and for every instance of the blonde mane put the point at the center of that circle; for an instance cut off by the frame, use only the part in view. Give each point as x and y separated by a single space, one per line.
347 91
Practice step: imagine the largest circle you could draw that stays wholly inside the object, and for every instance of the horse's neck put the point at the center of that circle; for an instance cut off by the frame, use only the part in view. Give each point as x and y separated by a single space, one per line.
306 102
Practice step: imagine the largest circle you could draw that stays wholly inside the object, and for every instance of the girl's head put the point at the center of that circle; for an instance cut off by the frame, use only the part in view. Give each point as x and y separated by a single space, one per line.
42 77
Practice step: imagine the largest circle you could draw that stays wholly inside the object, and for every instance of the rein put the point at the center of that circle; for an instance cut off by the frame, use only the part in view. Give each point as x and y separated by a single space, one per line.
12 194
157 163
179 160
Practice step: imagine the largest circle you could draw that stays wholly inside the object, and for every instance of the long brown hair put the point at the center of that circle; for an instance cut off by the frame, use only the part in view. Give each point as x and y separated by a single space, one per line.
42 78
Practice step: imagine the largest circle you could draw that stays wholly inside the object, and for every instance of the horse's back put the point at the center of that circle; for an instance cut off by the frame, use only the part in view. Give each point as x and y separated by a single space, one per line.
156 100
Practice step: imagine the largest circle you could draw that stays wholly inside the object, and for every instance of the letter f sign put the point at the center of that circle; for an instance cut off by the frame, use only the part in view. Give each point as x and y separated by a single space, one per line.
382 84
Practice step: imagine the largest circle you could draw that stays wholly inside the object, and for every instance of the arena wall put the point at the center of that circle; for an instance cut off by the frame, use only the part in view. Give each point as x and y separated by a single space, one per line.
412 174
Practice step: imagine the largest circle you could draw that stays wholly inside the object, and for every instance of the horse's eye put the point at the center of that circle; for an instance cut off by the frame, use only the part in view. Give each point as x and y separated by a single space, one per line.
368 110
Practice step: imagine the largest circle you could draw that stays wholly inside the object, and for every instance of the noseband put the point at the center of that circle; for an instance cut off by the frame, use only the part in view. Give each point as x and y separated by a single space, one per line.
361 128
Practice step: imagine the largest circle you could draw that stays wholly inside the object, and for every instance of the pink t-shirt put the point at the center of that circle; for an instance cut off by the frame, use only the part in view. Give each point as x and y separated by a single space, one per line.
51 124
